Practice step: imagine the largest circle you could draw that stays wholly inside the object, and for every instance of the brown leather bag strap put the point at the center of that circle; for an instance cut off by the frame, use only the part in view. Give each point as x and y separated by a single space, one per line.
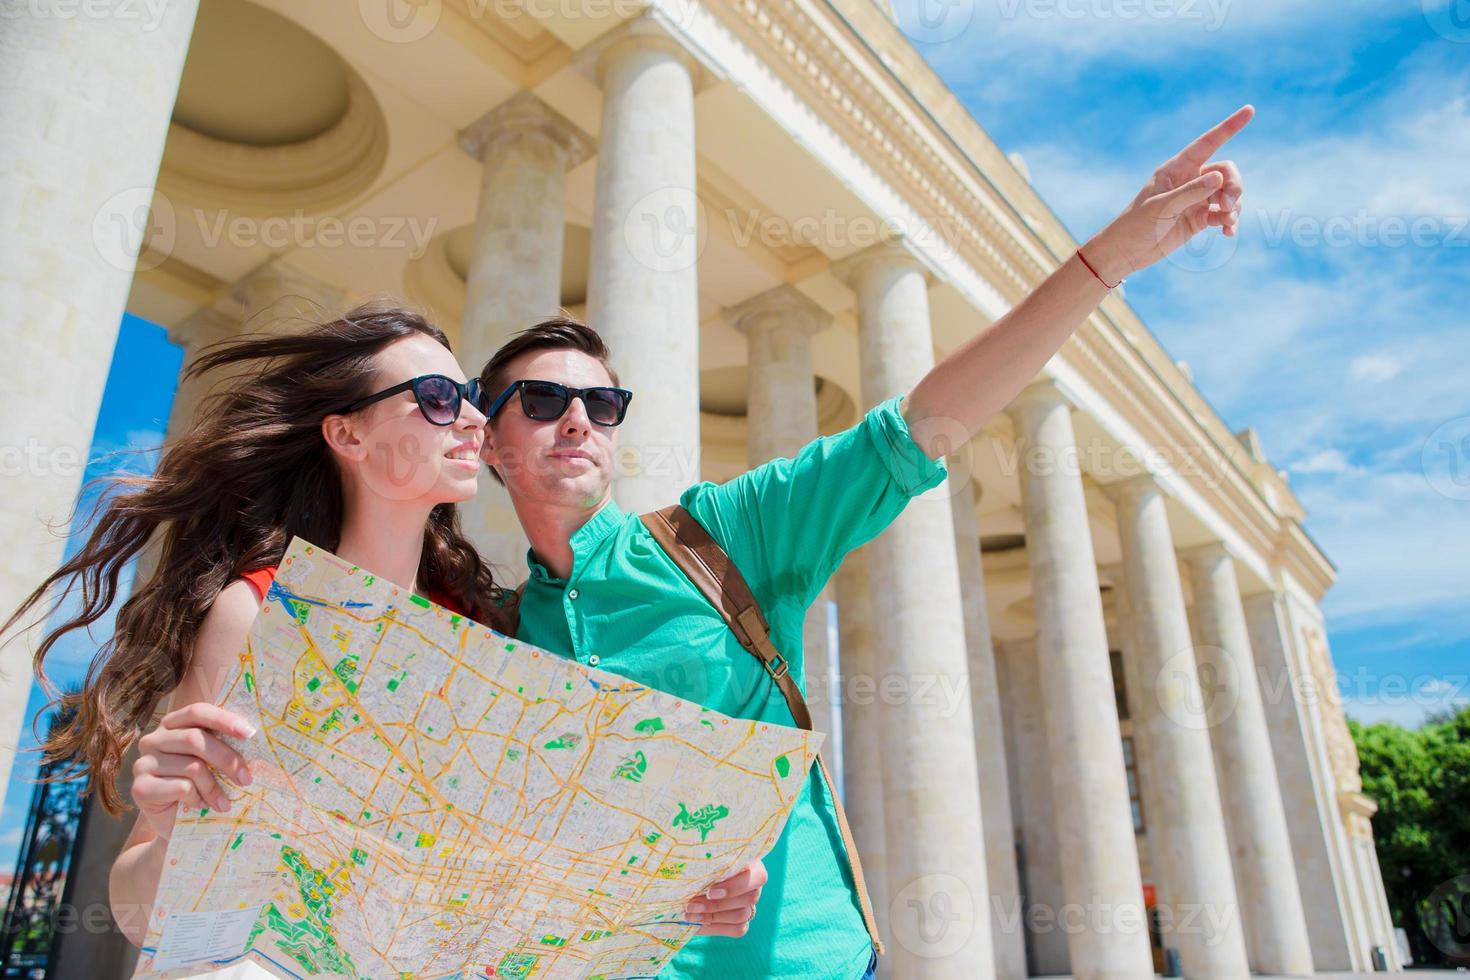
707 565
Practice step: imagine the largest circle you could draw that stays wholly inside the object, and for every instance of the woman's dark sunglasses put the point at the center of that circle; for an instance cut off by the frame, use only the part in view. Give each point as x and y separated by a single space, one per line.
439 397
545 401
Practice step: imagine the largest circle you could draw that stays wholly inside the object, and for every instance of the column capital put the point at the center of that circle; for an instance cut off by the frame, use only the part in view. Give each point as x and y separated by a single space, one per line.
201 328
1205 554
642 33
524 115
1041 393
893 252
266 290
783 306
1133 487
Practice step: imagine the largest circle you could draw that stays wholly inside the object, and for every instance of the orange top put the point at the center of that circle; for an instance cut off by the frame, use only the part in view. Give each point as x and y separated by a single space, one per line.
260 580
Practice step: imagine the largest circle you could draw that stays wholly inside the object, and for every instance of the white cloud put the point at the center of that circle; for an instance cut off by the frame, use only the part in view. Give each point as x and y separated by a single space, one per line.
1399 546
1434 697
966 39
1326 461
1374 367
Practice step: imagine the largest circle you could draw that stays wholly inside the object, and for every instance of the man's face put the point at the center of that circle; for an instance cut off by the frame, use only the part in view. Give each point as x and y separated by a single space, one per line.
568 461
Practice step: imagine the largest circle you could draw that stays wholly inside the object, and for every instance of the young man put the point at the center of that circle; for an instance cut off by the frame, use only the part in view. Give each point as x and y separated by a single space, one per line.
603 591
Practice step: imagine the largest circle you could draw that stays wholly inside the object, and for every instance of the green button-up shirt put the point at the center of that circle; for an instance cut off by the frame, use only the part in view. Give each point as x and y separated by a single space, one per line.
628 608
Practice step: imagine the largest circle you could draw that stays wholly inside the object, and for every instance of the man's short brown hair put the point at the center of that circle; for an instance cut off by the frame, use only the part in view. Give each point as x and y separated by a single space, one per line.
560 332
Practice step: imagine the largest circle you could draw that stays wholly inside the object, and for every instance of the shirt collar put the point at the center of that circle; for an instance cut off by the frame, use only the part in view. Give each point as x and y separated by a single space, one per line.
602 523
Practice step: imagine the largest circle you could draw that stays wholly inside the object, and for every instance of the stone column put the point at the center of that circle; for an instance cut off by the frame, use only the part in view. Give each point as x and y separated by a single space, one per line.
862 726
194 333
1275 925
1019 676
84 110
781 418
990 750
1099 856
1308 798
1149 787
526 149
642 289
1204 923
936 855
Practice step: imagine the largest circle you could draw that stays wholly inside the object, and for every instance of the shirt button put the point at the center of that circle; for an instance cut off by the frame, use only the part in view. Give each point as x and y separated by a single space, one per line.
572 594
594 660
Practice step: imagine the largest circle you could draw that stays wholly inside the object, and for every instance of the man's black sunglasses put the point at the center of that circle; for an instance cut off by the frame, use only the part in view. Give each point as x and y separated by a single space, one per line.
439 397
545 401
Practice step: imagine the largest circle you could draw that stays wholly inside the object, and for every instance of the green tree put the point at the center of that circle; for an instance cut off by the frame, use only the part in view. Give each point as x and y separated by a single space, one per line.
1421 781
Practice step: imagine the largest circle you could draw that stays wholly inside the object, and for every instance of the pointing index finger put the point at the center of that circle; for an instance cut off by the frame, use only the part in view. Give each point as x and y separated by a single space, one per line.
1205 146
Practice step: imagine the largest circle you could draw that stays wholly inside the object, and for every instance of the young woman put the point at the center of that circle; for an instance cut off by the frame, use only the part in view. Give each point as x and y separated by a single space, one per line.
359 435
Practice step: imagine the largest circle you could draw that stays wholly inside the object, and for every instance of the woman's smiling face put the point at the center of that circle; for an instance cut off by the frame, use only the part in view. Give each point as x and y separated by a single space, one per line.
391 450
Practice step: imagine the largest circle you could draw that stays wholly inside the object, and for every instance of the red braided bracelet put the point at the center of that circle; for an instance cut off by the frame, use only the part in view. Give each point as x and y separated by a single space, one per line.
1094 271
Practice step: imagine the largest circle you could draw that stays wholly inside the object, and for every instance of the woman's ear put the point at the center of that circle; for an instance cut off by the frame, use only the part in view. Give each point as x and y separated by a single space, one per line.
342 438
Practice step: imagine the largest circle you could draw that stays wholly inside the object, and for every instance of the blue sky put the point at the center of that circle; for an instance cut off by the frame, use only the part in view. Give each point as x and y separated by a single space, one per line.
1344 346
1337 325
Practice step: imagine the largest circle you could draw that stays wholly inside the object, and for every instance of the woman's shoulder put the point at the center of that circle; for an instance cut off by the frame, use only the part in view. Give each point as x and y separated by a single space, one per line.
221 636
260 581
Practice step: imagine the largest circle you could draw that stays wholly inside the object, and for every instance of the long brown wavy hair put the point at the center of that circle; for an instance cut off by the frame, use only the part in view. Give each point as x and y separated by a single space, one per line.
227 496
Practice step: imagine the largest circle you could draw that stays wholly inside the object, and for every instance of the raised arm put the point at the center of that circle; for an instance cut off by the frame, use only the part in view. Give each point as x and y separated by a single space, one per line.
177 760
1185 195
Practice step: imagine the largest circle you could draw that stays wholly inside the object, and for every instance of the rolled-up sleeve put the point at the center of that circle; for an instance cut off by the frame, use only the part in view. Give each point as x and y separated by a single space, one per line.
789 522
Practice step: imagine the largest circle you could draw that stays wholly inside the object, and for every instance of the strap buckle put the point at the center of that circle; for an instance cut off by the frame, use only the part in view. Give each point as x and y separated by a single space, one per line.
776 667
